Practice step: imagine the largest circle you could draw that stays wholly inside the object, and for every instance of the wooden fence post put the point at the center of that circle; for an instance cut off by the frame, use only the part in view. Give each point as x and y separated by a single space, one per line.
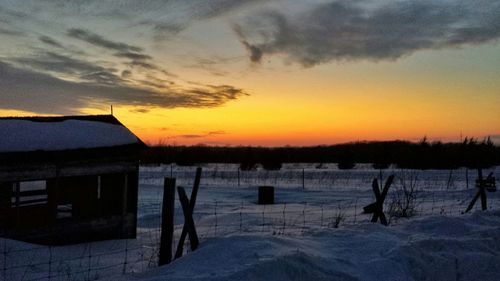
303 178
466 178
167 222
482 187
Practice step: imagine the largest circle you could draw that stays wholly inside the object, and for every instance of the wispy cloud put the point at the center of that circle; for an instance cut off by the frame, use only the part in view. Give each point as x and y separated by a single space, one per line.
136 58
193 136
212 64
31 90
141 110
53 62
10 32
50 41
133 56
196 136
98 40
216 133
364 30
71 81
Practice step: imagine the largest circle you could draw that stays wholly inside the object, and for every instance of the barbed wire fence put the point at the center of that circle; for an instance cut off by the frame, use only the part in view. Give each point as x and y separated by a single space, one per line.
217 218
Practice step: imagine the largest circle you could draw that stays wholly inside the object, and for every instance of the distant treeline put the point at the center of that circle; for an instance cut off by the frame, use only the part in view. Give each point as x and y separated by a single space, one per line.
417 155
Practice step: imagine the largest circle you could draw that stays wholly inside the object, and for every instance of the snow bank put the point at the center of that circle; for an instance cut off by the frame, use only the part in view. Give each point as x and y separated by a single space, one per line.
430 248
24 135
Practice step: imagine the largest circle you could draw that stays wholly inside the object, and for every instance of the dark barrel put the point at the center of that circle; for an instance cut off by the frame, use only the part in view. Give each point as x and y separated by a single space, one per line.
266 195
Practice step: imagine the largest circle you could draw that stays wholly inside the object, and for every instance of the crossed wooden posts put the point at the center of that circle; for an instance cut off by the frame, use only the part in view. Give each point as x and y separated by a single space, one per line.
189 228
377 208
187 209
482 185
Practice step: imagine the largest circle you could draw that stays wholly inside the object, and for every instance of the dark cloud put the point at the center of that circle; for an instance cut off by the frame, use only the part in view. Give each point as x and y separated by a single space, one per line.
148 67
98 40
133 56
357 30
103 78
142 64
153 84
126 74
51 61
191 11
254 51
31 90
211 96
163 30
160 80
49 41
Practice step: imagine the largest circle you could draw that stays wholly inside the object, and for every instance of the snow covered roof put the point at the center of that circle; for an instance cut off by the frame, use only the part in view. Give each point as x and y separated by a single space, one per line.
25 134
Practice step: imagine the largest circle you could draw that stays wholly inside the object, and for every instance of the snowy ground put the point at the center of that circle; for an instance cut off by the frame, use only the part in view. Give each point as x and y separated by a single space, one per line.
294 239
430 248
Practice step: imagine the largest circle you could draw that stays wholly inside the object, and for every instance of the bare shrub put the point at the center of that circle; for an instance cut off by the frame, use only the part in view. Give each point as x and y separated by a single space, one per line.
338 217
404 201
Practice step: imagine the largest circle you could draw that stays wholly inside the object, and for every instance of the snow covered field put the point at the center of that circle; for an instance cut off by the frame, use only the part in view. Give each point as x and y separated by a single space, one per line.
294 239
429 248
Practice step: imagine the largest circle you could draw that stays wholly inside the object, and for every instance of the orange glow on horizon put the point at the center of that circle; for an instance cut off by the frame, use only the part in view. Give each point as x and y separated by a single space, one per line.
329 105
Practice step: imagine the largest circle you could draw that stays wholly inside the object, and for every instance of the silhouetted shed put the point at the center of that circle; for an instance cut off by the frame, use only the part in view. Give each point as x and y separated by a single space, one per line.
68 179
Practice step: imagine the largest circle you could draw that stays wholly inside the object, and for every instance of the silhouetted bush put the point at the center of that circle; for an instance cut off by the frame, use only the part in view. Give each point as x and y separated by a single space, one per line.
380 165
346 165
248 166
346 160
271 165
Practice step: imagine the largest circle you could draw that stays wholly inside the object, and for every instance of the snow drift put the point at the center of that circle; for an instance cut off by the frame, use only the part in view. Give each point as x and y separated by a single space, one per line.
430 248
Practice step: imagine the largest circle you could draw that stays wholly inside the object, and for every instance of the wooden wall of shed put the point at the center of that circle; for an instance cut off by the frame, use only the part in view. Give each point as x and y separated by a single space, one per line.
94 200
5 202
130 227
25 217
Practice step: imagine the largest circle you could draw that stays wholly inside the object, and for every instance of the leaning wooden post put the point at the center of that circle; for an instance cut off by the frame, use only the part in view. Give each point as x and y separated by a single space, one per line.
167 222
188 218
192 202
481 192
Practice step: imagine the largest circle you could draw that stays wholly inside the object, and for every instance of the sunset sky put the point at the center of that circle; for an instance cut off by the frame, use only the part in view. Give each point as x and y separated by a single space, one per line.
250 72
